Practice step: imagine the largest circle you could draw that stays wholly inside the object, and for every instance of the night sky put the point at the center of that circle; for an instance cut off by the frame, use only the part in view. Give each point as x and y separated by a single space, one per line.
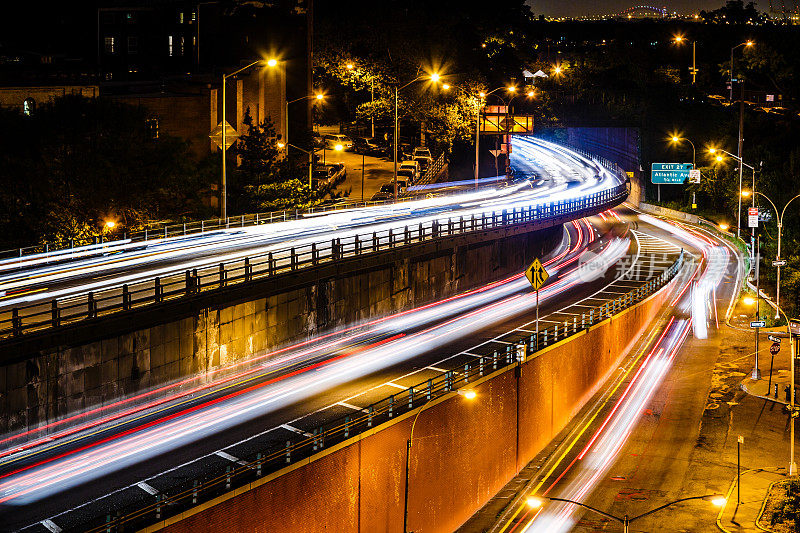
601 7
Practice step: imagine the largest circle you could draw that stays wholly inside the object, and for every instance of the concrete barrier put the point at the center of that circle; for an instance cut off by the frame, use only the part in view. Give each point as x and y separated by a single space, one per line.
193 336
462 454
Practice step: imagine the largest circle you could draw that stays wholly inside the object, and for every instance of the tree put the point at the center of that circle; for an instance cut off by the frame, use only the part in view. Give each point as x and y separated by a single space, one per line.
78 161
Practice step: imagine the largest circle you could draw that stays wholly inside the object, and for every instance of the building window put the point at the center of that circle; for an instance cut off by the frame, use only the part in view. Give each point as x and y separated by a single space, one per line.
183 46
180 17
170 48
194 16
152 127
28 106
110 45
133 45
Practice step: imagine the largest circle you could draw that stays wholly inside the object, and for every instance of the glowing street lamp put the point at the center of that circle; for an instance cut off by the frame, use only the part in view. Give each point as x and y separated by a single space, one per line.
109 225
224 196
716 500
746 44
468 394
680 39
435 78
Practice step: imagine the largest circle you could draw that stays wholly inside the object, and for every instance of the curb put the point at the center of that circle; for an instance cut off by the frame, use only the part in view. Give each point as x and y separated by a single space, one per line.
743 387
732 486
764 504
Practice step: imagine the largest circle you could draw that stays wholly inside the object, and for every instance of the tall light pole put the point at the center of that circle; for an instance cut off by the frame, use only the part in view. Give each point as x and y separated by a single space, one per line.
315 96
716 499
224 192
677 140
719 159
679 39
469 394
779 215
435 77
482 98
310 158
747 44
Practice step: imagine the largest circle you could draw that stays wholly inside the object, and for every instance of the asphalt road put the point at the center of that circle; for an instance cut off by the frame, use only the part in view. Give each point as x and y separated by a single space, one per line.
626 451
68 278
117 478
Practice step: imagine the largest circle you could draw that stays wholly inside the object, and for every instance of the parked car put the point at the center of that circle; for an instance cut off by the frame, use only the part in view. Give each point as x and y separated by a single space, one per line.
405 177
331 173
334 139
386 192
366 146
424 162
421 151
317 140
413 166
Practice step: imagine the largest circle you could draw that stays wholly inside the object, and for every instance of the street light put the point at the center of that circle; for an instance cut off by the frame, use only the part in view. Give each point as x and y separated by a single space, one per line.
679 39
351 67
435 77
224 196
315 96
723 227
310 160
482 96
717 500
780 231
747 44
470 395
720 159
677 140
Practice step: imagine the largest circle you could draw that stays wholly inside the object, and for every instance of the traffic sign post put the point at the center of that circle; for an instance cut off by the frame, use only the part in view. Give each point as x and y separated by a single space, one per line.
670 173
752 217
756 324
694 176
779 263
537 275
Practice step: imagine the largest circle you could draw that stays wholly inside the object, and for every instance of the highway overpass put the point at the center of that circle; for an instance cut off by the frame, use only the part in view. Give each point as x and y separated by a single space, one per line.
446 326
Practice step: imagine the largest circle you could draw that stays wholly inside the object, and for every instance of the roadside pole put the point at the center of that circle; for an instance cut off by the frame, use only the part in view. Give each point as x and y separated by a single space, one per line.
363 157
537 275
794 330
739 442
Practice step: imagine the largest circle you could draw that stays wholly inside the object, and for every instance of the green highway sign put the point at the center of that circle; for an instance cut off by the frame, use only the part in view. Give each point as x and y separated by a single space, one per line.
670 173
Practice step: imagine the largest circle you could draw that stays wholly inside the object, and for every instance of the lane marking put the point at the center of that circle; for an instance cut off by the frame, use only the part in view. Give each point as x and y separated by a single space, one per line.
295 430
395 385
149 489
436 369
51 526
226 455
351 406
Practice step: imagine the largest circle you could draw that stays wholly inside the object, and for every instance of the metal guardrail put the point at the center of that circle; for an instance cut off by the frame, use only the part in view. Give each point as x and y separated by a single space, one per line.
43 315
194 491
165 231
433 170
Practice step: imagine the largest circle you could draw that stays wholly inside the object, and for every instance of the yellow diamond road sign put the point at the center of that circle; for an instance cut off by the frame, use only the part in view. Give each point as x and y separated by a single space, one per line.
536 274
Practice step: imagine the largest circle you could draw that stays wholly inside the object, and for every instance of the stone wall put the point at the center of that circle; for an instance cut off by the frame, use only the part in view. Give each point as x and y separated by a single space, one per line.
456 465
66 379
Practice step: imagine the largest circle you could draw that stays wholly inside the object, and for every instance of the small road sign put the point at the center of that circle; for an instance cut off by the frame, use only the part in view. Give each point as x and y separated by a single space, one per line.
774 339
694 176
670 173
775 348
758 324
230 135
794 327
536 274
779 263
752 217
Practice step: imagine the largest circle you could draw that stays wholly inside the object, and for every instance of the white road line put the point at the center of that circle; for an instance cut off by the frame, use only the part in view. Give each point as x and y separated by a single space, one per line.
149 489
51 526
435 369
395 385
295 430
351 406
496 340
529 330
226 455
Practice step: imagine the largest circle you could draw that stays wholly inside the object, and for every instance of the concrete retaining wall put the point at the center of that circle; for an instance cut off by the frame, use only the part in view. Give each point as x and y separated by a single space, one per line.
190 339
463 452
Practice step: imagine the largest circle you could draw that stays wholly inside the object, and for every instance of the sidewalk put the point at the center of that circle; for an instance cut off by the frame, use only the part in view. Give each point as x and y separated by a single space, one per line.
755 484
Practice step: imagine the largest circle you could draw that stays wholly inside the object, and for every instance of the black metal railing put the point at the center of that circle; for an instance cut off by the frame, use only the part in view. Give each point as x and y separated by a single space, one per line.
217 482
55 313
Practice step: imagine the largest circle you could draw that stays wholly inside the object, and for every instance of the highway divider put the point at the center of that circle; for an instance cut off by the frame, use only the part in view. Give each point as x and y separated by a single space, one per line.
57 313
219 485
